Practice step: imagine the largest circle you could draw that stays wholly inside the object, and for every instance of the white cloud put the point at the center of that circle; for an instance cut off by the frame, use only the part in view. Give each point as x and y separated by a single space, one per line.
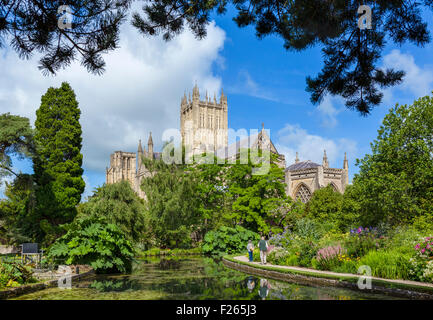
247 86
328 112
418 80
293 138
139 92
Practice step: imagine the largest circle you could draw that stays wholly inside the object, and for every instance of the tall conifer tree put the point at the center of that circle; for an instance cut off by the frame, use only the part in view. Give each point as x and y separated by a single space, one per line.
57 166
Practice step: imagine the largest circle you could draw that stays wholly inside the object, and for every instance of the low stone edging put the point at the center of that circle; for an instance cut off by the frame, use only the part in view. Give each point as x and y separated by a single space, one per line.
30 288
412 293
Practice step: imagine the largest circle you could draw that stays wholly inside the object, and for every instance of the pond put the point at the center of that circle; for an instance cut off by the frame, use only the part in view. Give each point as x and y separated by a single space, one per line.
192 278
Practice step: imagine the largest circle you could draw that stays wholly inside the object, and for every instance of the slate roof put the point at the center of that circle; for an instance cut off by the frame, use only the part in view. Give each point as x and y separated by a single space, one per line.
302 165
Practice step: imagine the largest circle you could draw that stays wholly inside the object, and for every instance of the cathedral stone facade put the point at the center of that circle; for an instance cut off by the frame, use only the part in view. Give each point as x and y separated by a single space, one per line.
305 177
204 128
203 124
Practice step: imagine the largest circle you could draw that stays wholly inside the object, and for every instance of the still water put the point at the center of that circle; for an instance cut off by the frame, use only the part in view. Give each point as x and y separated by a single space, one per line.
191 278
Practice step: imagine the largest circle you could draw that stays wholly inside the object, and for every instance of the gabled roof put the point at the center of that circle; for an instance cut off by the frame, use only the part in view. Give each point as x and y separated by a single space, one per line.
308 164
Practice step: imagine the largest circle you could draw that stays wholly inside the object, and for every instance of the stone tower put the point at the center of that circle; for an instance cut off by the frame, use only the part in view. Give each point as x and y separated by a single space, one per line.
122 167
203 124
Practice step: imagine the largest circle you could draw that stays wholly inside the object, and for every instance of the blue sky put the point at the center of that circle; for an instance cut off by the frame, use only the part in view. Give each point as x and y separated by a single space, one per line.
146 78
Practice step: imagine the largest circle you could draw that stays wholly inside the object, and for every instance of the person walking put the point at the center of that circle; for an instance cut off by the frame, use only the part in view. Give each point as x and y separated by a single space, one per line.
263 246
250 248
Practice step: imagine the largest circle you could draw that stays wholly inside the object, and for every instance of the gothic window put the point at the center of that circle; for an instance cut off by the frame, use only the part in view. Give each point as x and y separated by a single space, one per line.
201 120
334 187
303 193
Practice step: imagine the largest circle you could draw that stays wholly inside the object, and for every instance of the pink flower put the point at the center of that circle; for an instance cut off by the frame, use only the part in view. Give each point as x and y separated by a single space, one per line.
423 250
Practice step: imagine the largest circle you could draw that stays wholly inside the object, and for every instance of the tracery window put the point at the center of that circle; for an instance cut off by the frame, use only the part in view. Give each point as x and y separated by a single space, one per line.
303 193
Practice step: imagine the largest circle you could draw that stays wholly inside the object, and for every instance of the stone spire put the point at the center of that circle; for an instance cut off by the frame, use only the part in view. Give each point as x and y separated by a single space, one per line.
297 158
345 162
140 147
150 146
345 175
325 163
195 93
223 97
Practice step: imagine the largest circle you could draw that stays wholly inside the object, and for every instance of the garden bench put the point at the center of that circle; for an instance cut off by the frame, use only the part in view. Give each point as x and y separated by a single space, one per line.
29 250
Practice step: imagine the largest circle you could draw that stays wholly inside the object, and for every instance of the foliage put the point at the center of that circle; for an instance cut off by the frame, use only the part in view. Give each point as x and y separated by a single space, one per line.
16 139
424 250
325 205
363 240
211 194
17 223
169 252
33 26
57 165
395 182
14 274
119 205
329 256
171 204
351 55
228 240
96 243
259 200
390 264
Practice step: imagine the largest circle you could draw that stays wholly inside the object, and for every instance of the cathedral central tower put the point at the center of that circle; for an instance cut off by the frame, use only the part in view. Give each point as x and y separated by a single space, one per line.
203 124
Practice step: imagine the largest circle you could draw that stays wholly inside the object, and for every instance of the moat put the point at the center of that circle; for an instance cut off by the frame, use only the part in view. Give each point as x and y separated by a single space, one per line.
191 278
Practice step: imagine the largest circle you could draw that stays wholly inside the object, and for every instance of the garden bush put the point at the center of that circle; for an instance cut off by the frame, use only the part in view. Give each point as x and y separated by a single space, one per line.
228 240
421 264
363 240
328 257
387 264
14 274
96 243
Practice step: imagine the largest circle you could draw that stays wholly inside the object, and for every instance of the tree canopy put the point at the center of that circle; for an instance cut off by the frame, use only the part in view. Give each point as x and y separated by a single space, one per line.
16 140
351 55
57 165
117 204
395 181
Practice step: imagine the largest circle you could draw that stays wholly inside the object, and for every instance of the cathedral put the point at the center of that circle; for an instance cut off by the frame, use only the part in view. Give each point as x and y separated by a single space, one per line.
204 128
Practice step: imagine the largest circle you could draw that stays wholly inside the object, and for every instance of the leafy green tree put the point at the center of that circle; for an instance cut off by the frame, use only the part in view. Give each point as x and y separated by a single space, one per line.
351 55
350 209
325 205
119 205
17 223
211 192
95 242
57 165
172 203
257 198
395 181
16 140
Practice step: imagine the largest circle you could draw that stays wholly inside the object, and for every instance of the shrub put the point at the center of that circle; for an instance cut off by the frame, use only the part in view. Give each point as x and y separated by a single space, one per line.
387 264
228 240
93 242
329 256
119 205
424 250
363 240
14 274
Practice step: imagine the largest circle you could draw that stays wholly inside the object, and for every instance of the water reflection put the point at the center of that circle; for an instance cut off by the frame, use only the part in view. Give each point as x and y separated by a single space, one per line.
192 278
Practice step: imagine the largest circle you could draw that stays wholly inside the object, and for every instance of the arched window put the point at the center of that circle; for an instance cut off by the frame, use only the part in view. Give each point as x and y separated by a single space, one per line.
303 193
334 186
